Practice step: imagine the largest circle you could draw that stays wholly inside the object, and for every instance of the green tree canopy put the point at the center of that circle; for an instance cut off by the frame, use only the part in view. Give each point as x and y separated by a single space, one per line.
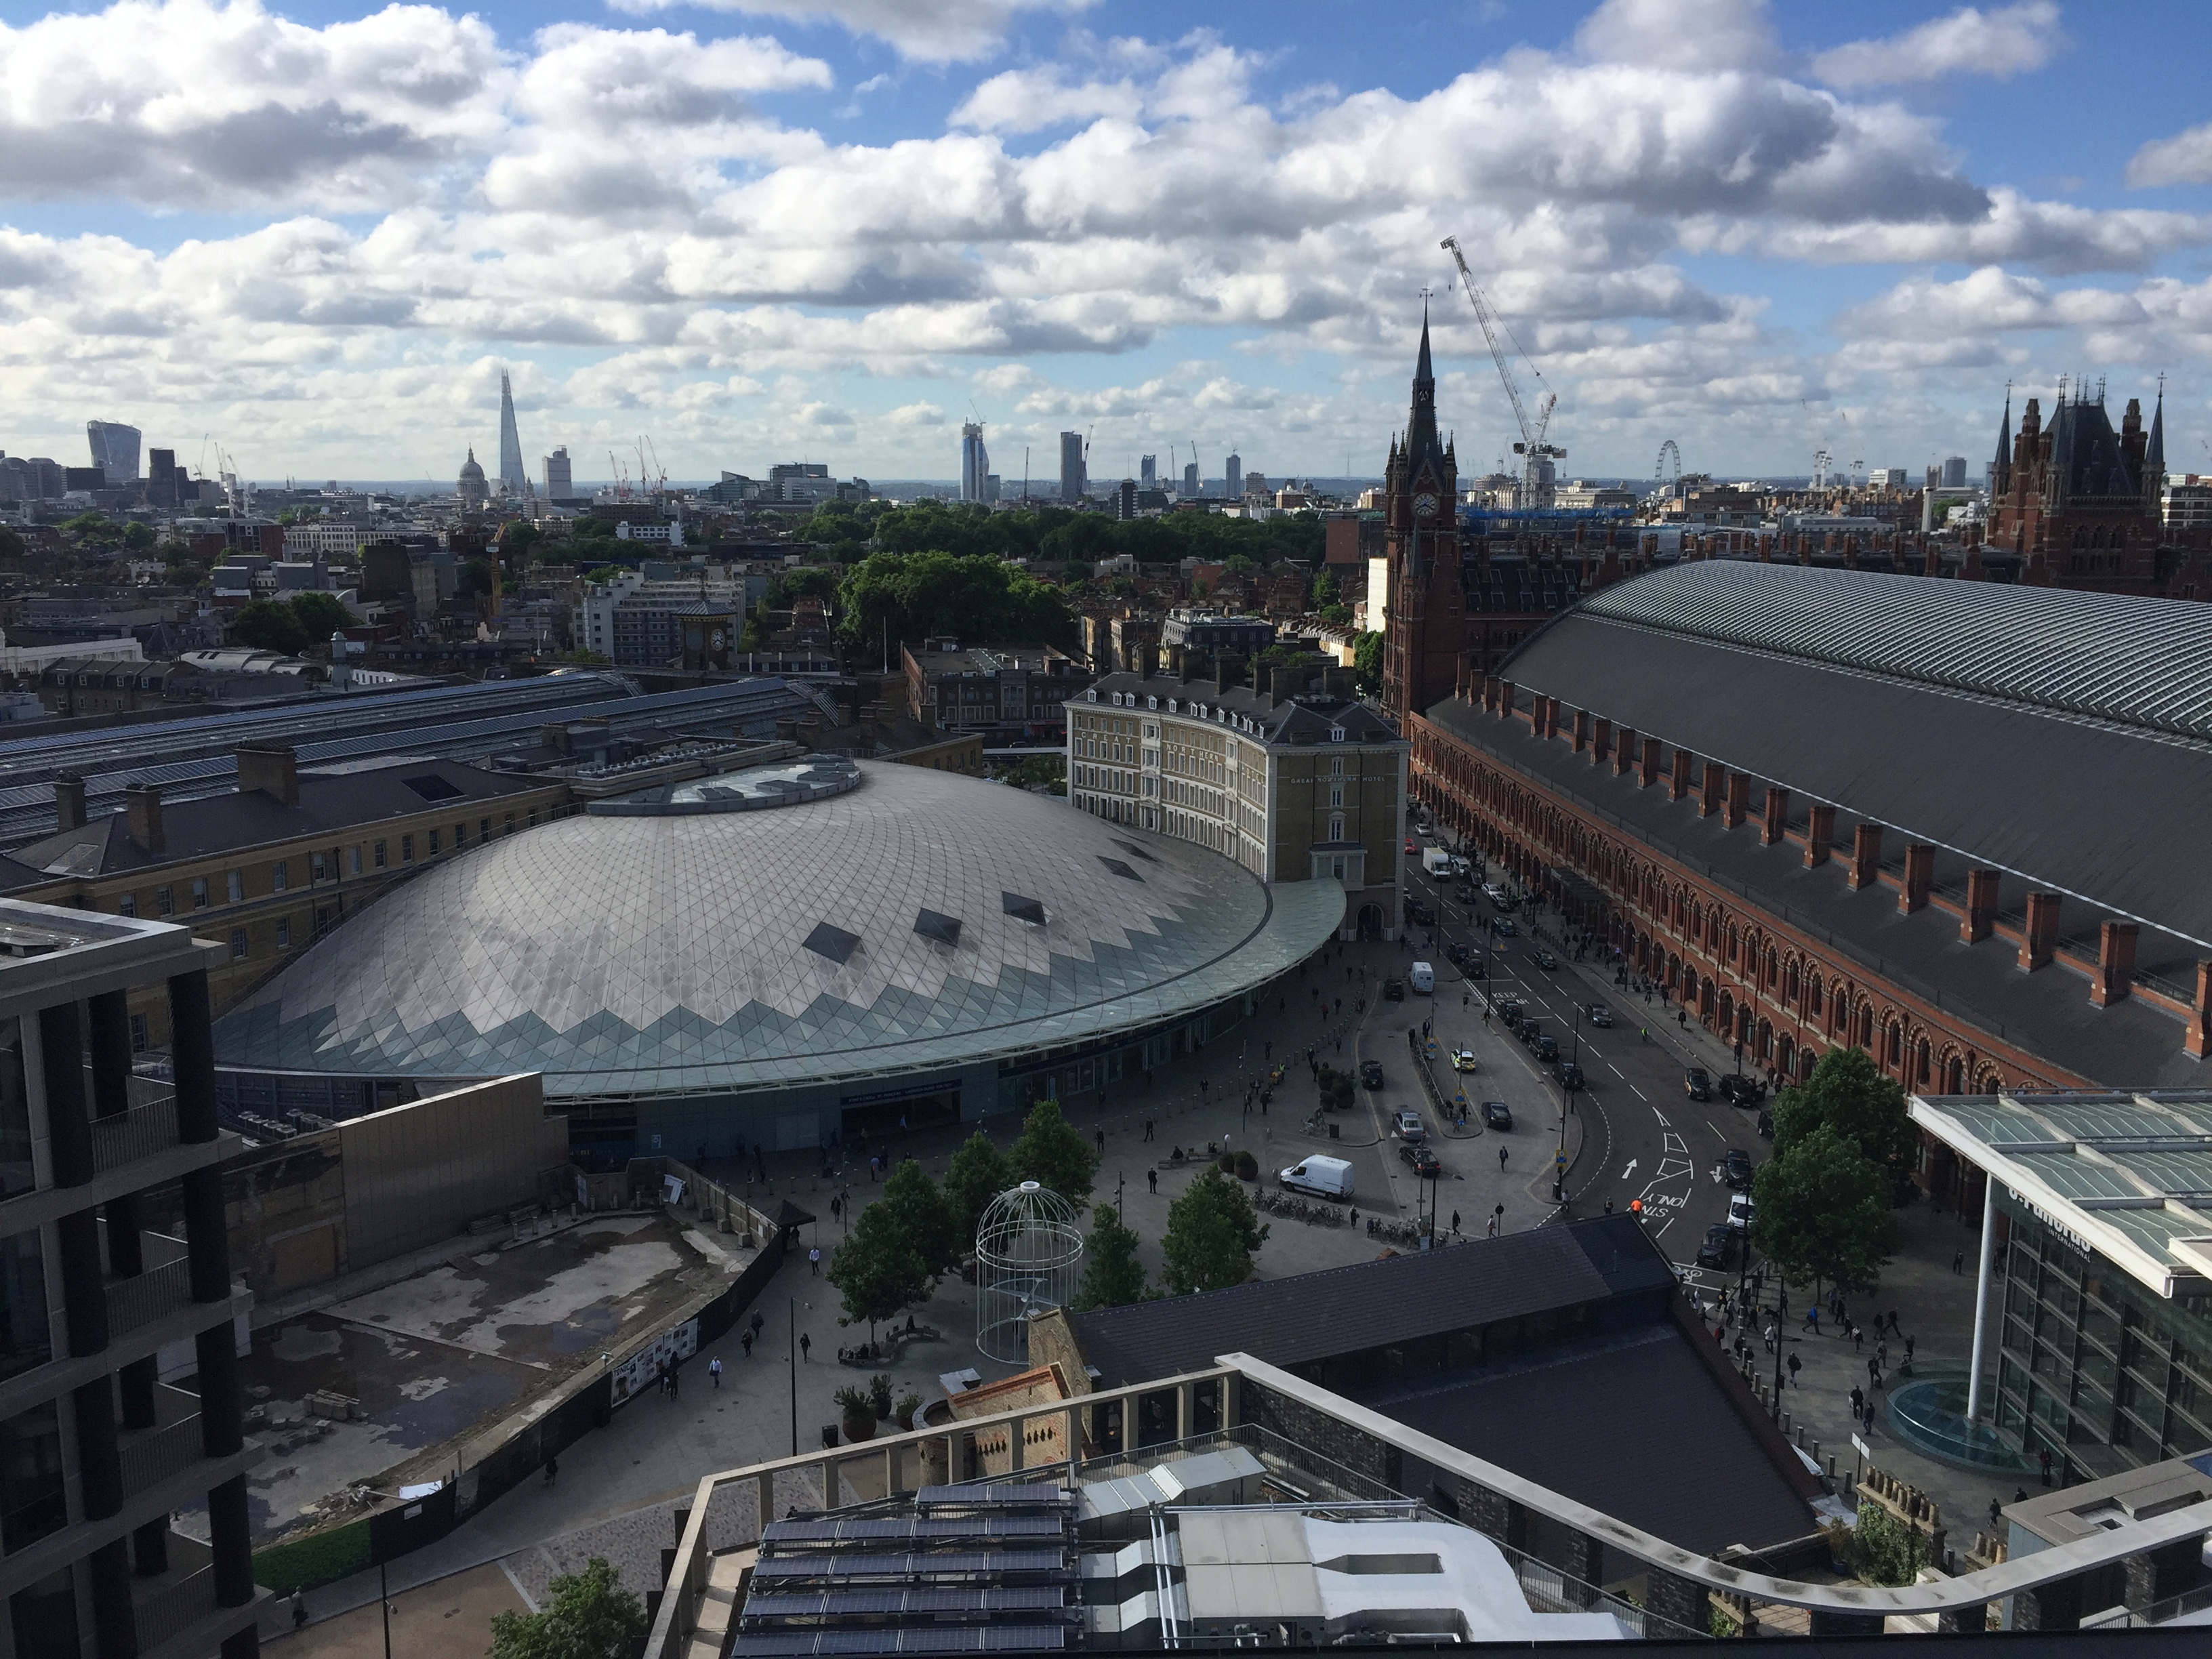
1325 591
978 1173
518 537
1211 1233
804 579
473 579
898 1247
1112 1275
907 596
591 1616
1367 661
1052 1153
1824 1210
1848 1094
11 544
138 536
266 625
320 615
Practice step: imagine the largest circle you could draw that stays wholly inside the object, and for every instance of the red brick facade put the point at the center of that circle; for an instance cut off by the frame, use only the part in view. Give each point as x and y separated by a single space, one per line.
1749 976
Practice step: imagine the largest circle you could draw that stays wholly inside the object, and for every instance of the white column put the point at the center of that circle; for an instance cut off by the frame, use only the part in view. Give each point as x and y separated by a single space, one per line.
1982 1295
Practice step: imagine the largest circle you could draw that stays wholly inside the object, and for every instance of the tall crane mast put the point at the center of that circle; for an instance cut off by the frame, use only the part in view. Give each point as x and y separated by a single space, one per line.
1538 486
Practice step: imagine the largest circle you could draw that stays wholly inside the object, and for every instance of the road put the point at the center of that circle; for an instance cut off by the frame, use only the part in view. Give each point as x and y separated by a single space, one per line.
1644 1139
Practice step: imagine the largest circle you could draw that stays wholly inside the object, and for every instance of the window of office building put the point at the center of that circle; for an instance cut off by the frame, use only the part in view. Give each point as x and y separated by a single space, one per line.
460 835
165 901
380 860
280 876
141 1038
237 944
127 905
283 932
15 1173
42 1617
234 882
434 843
407 849
353 859
25 1338
32 1498
319 868
199 892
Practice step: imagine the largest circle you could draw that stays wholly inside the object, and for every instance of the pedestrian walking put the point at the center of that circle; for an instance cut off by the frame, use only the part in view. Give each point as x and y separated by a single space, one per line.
745 1341
1858 1337
814 1261
805 1347
1148 1129
660 1377
552 1470
1858 1402
1813 1319
1908 1353
1501 1159
1454 1220
1355 1218
1873 1372
758 1321
1794 1364
714 1371
2043 1458
672 1379
1152 1179
299 1609
1958 1265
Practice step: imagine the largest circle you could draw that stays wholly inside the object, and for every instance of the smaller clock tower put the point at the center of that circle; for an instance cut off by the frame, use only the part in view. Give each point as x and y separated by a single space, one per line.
1426 605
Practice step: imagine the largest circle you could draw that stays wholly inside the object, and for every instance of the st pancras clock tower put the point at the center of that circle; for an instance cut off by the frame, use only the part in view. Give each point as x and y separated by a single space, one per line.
1425 606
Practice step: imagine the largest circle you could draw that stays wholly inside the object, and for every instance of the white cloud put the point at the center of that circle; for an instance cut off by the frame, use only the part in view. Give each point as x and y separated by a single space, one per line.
2183 159
929 31
2003 42
1689 35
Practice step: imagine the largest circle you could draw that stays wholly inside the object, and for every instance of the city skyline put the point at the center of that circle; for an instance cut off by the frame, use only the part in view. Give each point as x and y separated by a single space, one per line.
846 229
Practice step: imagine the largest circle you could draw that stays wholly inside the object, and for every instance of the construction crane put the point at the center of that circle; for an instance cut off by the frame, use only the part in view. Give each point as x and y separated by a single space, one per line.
622 476
1539 480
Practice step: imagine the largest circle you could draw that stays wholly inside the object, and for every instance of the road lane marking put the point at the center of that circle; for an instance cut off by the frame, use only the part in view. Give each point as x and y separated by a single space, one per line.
1639 1093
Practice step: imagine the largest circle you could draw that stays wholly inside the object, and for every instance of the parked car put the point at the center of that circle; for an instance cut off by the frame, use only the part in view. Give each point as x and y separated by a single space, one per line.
1544 959
1598 1014
1463 1060
1528 1030
1714 1251
1425 1162
1370 1073
1393 990
1546 1048
1497 1115
1473 968
1504 903
1743 1213
1571 1075
1412 847
1455 953
1697 1085
1736 1169
1405 1124
1505 928
1740 1091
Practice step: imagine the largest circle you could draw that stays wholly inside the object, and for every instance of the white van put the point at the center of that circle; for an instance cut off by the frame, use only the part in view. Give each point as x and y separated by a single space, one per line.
1436 860
1324 1177
1423 978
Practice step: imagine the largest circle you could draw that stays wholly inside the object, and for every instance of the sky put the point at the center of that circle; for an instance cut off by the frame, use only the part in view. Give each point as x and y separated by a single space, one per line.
313 235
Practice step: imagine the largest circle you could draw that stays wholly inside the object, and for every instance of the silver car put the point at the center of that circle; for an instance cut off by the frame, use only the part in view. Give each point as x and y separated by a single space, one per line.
1405 1124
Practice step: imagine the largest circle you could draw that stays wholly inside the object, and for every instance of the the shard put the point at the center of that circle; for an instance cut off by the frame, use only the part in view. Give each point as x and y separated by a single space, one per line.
514 480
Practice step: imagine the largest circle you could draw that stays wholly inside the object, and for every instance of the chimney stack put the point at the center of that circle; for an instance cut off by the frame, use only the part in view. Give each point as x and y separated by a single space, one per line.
1677 784
1920 877
69 801
1624 751
2116 962
142 802
1648 773
1820 834
1981 906
2039 940
1716 785
1778 815
273 769
1866 856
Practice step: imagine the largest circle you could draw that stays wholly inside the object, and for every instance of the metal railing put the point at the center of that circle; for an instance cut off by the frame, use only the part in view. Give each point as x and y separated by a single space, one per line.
146 1297
159 1453
175 1607
139 1133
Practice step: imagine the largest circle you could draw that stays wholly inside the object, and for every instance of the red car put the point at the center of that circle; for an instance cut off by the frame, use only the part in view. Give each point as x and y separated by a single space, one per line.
1412 847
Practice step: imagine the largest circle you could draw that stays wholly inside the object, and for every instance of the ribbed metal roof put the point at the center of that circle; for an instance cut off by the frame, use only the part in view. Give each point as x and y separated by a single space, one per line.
2140 662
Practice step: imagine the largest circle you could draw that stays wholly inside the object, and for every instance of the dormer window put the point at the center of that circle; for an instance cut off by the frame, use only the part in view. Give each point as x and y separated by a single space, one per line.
1091 694
1336 734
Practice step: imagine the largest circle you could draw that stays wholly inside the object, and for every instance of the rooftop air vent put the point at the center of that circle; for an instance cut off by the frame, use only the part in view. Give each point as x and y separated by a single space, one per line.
834 943
431 786
930 924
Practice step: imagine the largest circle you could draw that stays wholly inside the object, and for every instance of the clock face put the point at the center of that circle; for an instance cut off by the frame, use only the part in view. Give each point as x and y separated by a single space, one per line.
1425 504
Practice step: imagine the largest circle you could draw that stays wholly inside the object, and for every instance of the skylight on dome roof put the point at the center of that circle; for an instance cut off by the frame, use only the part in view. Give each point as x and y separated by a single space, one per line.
1028 909
834 943
935 924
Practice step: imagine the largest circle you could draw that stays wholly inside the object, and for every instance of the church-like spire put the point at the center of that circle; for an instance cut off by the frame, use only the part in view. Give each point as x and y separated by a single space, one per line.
2004 432
1421 443
2154 452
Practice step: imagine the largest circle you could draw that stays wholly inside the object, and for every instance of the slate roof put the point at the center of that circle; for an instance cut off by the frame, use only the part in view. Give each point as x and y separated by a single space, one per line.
216 825
1300 720
1372 1304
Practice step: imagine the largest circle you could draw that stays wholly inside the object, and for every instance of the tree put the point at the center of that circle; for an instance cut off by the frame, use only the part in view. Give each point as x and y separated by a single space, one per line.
1367 661
1824 1210
320 615
898 1247
1325 590
1052 1153
11 544
978 1173
908 596
1212 1233
1848 1094
473 580
268 626
591 1617
138 536
1112 1275
518 538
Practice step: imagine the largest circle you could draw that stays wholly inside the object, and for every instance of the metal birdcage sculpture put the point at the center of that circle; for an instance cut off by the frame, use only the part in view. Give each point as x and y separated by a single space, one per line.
1029 1260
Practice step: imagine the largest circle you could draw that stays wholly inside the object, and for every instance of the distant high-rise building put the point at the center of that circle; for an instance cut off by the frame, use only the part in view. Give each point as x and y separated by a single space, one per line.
560 483
1232 477
974 463
1954 472
513 478
114 450
1148 472
1075 478
1124 501
1190 481
990 486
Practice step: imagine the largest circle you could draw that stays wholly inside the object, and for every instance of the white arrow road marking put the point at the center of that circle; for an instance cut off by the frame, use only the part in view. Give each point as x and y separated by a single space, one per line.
1630 1170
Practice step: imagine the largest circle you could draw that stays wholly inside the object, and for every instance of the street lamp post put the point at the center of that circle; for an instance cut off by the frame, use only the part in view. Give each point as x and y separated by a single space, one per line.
795 1376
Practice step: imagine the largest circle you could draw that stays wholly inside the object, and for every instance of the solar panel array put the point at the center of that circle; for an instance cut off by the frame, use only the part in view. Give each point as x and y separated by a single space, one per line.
833 1584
